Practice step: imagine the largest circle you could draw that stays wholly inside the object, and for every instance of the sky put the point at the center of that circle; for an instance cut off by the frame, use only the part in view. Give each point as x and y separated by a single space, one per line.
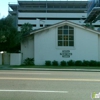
4 6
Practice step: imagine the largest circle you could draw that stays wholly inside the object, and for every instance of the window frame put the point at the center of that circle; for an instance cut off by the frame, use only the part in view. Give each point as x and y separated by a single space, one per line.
68 47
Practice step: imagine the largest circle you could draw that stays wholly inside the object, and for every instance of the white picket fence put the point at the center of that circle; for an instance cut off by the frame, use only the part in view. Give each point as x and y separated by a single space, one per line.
10 59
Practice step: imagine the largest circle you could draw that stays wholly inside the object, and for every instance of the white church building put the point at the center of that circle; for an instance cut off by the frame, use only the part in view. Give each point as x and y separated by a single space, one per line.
62 41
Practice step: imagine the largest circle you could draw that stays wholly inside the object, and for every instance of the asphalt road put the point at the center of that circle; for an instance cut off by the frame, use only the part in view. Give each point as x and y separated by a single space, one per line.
48 85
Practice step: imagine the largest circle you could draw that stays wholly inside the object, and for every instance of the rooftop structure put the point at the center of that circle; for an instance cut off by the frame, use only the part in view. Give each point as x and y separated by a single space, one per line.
49 6
50 12
93 11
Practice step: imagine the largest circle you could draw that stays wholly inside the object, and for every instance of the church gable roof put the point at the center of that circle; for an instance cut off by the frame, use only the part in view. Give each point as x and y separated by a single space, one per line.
63 23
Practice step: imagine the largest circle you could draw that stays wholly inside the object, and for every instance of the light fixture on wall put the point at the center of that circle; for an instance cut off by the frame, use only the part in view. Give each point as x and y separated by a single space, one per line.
1 52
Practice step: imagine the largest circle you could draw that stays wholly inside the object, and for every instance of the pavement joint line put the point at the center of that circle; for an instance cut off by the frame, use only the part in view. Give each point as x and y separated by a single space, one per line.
50 79
39 91
23 73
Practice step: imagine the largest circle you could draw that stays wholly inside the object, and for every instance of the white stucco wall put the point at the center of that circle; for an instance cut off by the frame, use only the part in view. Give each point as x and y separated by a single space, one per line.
86 46
27 48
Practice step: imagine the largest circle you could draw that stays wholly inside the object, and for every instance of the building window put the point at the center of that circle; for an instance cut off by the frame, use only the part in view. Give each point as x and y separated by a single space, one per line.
66 36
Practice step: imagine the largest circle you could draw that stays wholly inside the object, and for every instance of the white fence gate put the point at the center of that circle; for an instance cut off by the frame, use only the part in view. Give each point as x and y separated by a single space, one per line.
10 59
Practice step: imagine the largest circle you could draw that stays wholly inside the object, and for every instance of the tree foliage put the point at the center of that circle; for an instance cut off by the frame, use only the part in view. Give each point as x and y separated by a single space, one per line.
26 28
89 26
9 36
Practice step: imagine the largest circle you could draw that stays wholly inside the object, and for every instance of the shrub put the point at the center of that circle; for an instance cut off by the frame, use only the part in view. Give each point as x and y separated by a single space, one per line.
98 63
29 61
93 63
78 63
55 63
85 63
48 63
63 63
71 63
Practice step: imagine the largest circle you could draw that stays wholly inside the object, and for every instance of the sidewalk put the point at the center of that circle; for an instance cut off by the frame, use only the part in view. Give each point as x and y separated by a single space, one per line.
5 67
50 69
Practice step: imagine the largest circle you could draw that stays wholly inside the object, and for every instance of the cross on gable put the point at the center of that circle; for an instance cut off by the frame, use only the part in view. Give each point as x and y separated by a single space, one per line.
66 53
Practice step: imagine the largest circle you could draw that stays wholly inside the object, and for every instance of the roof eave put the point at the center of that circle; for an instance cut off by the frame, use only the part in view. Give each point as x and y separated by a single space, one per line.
65 22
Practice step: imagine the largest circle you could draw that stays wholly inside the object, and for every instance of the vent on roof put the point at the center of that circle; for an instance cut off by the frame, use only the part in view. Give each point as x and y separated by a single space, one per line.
40 23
